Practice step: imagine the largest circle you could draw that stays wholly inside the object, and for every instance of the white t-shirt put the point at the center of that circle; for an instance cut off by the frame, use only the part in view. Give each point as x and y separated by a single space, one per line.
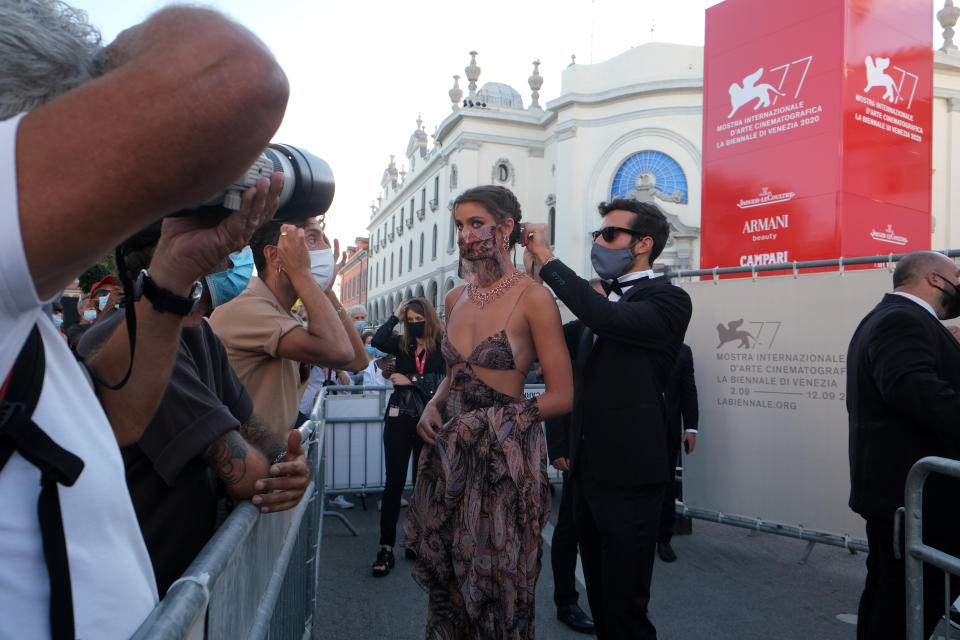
113 584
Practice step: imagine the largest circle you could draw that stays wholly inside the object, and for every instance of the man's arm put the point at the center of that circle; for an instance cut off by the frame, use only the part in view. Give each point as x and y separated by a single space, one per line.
661 317
325 342
247 474
186 252
689 407
902 354
190 100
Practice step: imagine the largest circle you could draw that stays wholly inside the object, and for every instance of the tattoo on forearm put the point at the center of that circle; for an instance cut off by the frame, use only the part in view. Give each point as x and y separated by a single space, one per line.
260 436
228 457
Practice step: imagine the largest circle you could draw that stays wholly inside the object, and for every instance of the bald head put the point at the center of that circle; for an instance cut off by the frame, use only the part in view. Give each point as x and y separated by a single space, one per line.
914 267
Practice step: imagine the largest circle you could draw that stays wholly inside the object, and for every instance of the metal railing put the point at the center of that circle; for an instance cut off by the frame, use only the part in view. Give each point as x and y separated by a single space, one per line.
795 266
918 553
353 451
257 576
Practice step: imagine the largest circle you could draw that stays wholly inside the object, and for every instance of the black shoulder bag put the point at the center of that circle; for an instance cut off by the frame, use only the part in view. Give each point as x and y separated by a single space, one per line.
19 433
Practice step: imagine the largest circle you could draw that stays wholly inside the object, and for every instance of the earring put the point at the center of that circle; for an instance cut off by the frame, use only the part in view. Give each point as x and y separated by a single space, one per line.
506 244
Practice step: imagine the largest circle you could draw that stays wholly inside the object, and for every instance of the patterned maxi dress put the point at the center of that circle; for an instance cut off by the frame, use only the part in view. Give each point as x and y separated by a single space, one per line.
479 506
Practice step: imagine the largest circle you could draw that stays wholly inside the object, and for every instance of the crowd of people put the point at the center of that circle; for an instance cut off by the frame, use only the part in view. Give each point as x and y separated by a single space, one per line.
126 435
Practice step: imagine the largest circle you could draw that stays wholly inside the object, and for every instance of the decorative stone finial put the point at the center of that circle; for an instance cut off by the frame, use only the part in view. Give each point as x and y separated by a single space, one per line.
419 122
473 74
535 81
573 59
456 93
403 174
948 19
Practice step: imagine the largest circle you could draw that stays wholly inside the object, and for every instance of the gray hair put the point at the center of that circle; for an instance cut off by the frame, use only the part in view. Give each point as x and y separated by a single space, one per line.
46 49
357 308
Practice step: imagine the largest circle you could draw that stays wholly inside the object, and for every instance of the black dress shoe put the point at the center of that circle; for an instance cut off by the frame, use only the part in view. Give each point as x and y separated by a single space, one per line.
666 552
575 618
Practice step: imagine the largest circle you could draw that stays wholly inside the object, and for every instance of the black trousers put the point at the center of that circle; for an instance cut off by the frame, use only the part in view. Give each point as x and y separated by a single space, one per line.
400 439
668 511
563 550
882 614
617 530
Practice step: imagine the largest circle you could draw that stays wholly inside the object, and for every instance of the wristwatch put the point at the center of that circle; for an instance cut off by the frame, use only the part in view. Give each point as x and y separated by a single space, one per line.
163 300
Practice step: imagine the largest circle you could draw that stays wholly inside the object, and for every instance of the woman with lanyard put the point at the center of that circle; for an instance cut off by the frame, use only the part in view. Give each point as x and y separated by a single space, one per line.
418 371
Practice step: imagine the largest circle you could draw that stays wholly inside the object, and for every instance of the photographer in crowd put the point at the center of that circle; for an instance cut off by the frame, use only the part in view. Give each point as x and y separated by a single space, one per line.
173 110
204 423
268 345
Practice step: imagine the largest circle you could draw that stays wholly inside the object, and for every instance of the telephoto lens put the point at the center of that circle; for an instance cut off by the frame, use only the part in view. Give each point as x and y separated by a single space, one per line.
308 184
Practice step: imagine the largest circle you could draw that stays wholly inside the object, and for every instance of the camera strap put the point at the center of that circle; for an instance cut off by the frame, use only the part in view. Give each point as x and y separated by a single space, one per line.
19 433
131 322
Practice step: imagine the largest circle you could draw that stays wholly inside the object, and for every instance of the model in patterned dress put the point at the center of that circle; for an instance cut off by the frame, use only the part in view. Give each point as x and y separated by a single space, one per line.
481 498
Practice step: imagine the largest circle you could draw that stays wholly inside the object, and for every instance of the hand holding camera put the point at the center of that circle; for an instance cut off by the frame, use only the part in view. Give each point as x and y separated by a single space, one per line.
189 247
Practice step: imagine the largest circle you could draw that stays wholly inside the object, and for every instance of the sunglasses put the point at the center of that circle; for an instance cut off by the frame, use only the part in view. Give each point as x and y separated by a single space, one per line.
610 233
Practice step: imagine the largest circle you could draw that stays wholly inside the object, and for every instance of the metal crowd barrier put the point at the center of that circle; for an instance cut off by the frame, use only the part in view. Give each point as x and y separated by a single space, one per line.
257 576
918 553
353 417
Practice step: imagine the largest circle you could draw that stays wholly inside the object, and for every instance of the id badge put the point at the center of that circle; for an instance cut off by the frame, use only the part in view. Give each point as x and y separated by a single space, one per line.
393 412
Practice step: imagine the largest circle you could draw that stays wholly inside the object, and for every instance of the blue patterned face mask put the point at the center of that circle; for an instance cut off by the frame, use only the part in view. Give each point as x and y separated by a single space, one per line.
226 285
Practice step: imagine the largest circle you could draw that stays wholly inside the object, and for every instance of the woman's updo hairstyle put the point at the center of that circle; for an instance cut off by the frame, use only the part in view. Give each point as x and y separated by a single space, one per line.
498 201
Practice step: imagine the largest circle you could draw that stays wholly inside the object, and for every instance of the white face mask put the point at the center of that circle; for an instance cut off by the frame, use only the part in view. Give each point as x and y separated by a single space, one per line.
321 266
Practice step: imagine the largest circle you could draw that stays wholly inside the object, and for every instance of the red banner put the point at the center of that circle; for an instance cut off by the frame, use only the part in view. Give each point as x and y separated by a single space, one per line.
816 130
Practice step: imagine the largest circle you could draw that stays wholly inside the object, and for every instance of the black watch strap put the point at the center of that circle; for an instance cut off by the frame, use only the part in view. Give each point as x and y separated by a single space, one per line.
165 301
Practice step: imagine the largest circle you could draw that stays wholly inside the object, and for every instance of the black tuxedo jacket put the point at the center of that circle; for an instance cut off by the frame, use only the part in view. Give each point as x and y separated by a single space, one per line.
618 426
683 411
903 400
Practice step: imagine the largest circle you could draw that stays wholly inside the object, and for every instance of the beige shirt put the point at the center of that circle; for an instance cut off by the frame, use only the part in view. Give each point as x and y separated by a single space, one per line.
250 327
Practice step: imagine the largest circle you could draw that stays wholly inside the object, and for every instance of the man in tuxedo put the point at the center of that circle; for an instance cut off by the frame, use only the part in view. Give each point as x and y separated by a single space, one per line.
619 436
683 414
903 397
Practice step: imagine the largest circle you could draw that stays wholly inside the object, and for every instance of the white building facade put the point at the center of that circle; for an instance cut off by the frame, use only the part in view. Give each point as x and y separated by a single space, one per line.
629 126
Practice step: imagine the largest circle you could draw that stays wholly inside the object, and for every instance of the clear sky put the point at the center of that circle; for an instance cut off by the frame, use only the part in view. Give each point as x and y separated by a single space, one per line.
361 71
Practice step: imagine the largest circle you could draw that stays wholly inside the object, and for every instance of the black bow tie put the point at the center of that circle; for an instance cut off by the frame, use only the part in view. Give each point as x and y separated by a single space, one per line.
613 285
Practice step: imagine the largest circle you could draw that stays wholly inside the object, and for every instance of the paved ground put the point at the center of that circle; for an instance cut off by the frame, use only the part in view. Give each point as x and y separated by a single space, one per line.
727 583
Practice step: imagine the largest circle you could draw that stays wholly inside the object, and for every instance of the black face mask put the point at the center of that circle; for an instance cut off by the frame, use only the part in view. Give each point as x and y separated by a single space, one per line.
951 301
416 328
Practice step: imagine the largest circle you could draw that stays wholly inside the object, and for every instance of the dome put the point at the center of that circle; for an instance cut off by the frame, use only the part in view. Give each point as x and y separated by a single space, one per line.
497 94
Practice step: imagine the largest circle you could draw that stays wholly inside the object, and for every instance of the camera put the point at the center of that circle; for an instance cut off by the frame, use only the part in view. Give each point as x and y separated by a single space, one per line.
308 184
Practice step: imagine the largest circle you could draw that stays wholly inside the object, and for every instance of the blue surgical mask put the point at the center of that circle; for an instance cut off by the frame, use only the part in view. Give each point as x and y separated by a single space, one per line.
360 324
57 321
103 302
90 315
226 285
372 350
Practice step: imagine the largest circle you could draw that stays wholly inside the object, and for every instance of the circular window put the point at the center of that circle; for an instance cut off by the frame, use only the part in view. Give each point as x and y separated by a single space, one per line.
650 175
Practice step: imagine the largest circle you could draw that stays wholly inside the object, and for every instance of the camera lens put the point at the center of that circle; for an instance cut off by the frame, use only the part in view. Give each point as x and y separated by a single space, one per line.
308 186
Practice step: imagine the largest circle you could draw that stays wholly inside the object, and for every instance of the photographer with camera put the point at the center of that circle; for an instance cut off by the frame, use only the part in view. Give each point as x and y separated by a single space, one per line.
204 423
267 344
172 111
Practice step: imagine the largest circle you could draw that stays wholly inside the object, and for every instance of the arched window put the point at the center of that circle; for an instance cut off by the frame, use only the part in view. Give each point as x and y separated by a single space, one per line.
650 174
410 256
552 221
503 172
391 267
453 177
400 263
433 255
421 249
453 231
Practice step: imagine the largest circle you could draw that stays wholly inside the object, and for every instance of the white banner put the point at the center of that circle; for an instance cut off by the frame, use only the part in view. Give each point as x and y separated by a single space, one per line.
770 362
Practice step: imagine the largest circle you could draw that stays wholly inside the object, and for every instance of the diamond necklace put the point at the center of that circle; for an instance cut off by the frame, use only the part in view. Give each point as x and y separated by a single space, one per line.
480 299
